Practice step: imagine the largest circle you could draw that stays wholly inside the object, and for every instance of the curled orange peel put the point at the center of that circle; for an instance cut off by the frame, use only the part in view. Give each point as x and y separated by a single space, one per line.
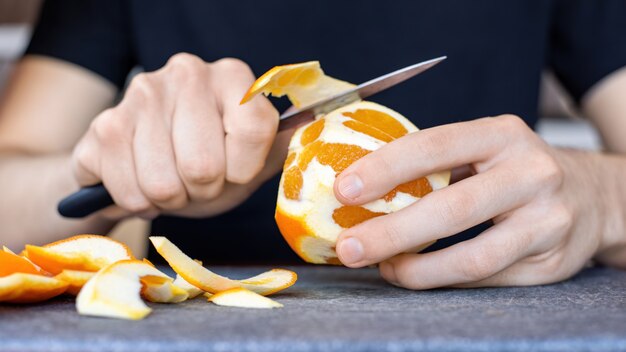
303 83
81 253
115 291
30 288
194 273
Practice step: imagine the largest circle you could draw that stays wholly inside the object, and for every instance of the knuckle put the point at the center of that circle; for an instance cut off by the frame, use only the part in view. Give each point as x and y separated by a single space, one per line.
406 276
162 190
142 86
184 68
109 126
201 170
135 204
563 218
456 207
184 60
430 145
550 172
394 236
477 265
231 64
512 124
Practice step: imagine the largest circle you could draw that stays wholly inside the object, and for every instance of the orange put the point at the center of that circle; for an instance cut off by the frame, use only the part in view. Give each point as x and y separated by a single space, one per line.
307 213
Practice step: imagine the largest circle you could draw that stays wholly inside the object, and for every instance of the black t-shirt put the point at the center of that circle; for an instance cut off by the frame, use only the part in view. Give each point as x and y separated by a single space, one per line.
496 52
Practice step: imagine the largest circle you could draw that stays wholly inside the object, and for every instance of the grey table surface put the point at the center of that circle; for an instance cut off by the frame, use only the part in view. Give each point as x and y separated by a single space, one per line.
339 309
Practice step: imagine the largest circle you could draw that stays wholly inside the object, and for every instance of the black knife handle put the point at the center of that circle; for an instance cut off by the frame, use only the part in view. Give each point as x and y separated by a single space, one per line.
86 201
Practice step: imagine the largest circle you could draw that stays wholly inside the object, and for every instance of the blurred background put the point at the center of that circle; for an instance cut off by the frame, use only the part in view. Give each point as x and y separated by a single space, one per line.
561 123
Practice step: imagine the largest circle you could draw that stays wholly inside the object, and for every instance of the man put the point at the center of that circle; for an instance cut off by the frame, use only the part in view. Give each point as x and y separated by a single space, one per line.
178 147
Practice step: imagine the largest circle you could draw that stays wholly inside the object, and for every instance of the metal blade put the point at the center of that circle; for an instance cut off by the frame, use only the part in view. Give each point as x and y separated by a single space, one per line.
293 118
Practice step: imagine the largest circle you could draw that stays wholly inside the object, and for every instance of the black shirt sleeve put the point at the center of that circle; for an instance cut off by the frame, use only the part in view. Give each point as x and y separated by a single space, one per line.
588 42
94 34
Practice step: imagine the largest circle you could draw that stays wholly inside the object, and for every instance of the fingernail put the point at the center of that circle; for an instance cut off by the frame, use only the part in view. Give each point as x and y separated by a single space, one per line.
350 250
350 186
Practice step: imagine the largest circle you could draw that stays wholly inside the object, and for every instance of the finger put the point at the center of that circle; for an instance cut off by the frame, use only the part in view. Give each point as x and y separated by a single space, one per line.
86 160
250 128
525 273
155 164
114 135
474 260
439 214
198 136
431 150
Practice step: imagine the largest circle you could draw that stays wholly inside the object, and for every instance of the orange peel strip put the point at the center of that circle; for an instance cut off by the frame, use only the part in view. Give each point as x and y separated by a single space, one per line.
11 263
82 252
243 298
76 279
115 291
303 83
29 288
265 284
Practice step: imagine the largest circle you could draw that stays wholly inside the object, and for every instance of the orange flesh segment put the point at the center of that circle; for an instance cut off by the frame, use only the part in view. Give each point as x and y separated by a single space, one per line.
12 263
312 132
290 158
379 120
293 183
368 130
349 215
417 188
337 155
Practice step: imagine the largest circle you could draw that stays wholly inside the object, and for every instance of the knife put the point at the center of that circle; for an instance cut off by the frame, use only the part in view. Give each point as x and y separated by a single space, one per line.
90 199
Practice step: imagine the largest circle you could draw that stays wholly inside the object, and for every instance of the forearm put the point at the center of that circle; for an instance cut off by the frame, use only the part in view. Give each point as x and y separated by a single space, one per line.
31 187
602 196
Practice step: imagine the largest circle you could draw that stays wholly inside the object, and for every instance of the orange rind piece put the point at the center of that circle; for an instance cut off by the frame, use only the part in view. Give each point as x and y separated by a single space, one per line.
303 83
81 253
115 291
194 273
243 298
192 290
11 263
30 288
159 289
76 279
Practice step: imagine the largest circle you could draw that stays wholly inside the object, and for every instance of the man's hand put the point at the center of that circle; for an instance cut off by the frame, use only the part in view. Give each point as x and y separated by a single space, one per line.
547 204
180 143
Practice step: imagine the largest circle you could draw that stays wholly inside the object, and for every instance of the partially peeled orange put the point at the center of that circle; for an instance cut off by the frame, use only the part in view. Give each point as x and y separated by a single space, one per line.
307 213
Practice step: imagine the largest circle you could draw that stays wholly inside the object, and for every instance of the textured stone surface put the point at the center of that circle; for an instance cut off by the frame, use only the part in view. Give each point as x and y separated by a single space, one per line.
337 309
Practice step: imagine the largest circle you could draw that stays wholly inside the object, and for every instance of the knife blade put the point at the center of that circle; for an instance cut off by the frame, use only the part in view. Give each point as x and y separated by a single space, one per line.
292 119
90 199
